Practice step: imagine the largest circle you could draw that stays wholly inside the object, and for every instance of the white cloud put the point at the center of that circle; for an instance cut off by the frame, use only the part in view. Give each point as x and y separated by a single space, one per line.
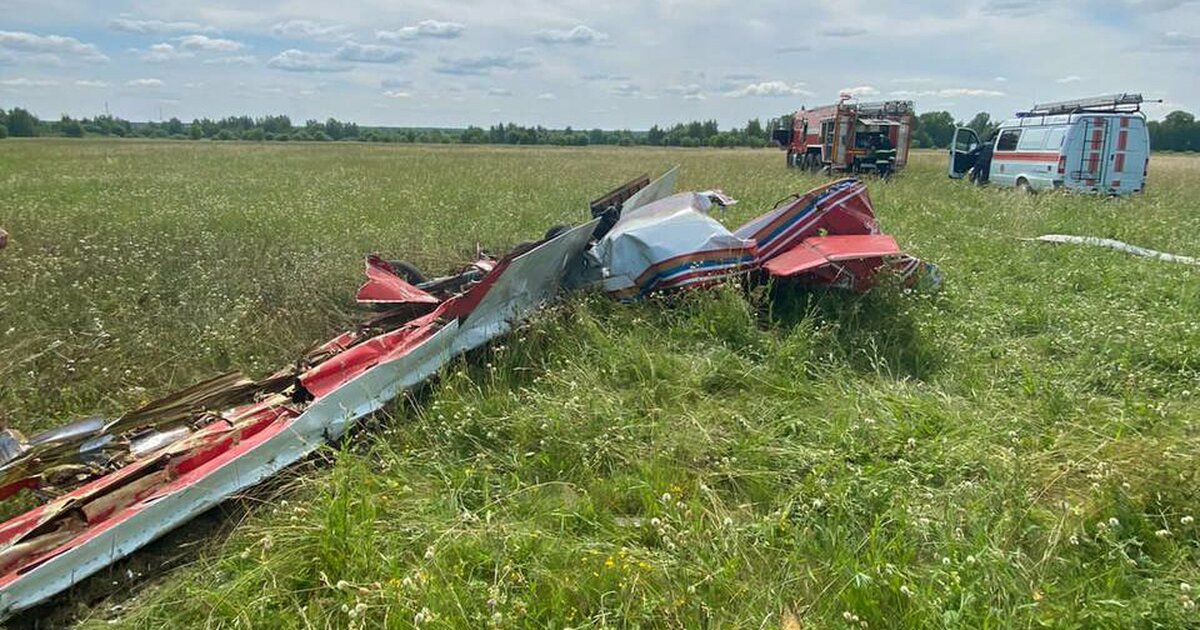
481 65
689 92
156 27
145 83
498 91
208 44
163 52
625 90
1175 41
57 44
371 53
580 35
603 76
844 31
91 84
769 88
859 91
235 60
23 82
1013 8
425 29
949 93
305 29
547 96
1000 79
397 94
293 60
1074 78
1155 6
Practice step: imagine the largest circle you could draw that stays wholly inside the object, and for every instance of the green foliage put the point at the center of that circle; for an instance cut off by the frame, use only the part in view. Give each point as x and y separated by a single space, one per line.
934 130
21 124
1015 451
1178 131
983 125
69 127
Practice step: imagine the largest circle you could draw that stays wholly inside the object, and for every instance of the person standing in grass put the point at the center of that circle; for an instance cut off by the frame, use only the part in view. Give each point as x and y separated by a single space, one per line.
3 238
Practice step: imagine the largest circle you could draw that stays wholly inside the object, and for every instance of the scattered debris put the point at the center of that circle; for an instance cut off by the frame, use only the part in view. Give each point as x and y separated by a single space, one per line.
112 486
1114 244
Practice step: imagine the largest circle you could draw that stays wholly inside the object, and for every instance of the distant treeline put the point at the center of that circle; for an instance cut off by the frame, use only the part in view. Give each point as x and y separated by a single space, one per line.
1179 131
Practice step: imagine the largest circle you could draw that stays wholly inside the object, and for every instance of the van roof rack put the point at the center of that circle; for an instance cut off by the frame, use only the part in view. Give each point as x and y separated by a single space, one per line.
1110 103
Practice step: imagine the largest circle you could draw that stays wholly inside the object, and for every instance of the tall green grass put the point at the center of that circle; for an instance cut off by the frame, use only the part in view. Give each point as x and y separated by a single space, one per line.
1019 449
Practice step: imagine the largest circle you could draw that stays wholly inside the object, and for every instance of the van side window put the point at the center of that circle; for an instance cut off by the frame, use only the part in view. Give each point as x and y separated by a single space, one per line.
1008 140
1054 139
1032 140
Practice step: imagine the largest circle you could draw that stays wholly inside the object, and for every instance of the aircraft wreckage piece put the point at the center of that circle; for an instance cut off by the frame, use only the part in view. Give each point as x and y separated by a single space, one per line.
113 486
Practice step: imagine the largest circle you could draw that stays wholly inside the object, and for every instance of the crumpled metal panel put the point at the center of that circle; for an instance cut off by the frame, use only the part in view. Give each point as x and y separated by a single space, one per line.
668 244
127 509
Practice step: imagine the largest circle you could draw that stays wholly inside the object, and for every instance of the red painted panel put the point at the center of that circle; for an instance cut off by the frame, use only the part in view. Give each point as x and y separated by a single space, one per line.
822 250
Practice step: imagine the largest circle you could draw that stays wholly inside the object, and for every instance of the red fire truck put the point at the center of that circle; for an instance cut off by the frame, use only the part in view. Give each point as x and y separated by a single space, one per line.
849 137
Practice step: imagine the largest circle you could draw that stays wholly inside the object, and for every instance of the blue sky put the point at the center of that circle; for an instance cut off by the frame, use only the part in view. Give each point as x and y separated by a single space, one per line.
611 64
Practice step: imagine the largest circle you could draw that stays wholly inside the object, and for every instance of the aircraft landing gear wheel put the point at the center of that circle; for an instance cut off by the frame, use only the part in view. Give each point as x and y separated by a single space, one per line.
408 271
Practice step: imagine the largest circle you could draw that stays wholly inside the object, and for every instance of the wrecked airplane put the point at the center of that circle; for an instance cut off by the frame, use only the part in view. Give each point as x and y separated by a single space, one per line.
111 486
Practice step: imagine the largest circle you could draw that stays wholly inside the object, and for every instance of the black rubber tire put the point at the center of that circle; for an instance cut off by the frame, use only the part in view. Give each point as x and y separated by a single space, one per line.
1024 187
408 271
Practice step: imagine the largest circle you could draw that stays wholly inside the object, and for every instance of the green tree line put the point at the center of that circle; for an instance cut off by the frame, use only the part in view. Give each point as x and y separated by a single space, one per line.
1178 131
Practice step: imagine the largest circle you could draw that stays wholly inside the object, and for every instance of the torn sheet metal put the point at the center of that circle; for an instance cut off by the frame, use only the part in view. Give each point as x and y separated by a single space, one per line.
1120 246
385 286
115 485
828 235
168 476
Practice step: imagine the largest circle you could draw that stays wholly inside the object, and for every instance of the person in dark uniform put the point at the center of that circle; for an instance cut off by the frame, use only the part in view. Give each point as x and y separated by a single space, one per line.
983 160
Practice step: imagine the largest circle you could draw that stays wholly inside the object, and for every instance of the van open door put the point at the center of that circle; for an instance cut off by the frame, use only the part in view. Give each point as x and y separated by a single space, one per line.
964 150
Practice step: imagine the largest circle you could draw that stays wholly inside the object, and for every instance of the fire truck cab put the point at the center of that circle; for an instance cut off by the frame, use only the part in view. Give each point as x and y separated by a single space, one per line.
1098 144
849 137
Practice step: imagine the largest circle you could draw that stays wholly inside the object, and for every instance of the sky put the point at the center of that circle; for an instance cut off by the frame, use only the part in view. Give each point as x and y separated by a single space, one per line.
585 63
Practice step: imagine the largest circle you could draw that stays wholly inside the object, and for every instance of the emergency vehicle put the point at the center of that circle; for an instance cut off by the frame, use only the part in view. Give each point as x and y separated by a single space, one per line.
849 137
1097 144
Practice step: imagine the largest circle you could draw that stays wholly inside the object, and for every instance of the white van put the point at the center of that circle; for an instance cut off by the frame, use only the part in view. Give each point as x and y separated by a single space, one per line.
1097 145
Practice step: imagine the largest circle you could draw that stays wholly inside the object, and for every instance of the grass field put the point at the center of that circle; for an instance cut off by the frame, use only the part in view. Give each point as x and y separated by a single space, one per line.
1018 450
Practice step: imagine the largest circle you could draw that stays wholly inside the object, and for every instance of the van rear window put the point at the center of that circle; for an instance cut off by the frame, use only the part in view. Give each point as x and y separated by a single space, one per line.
1054 140
1008 140
1032 140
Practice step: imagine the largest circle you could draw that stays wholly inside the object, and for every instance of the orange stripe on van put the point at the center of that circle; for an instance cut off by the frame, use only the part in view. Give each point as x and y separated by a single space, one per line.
1122 140
1119 163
